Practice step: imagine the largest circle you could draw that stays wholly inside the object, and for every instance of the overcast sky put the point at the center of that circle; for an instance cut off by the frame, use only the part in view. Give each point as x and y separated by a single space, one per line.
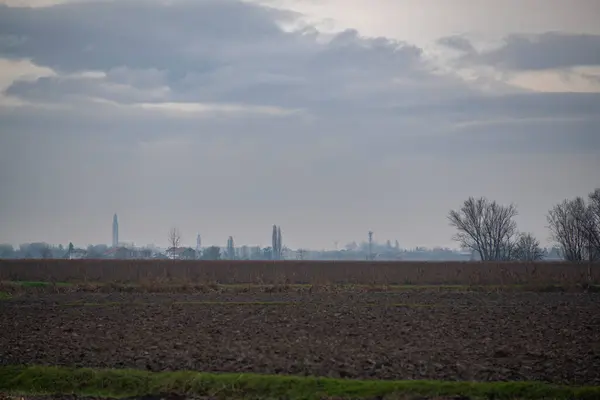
327 117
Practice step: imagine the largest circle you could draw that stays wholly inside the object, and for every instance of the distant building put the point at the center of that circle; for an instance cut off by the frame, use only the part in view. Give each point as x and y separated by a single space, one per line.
115 232
125 253
76 254
181 253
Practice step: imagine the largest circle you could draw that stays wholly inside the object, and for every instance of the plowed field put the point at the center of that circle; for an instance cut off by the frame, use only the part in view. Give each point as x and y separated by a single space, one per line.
551 337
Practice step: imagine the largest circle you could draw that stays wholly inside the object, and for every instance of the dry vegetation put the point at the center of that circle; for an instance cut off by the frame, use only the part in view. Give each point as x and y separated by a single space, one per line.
300 272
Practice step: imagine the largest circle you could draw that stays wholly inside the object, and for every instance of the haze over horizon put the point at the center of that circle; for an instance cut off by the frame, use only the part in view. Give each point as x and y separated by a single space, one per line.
329 118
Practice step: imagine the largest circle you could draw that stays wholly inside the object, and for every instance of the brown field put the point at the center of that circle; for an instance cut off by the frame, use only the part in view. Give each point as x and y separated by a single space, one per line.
300 272
483 322
447 335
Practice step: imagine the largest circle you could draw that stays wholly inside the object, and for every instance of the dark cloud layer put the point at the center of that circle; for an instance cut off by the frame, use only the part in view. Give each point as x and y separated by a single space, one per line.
178 36
518 52
204 51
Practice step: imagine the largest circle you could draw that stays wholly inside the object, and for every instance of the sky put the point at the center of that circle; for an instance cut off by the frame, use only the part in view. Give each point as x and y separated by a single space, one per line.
329 118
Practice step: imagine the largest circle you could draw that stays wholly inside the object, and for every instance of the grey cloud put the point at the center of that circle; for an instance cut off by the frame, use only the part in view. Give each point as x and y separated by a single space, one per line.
522 105
457 42
246 57
551 50
55 89
505 124
139 78
178 36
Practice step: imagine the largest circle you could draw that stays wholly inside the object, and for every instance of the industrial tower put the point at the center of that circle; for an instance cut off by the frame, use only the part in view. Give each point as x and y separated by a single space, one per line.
115 232
198 245
370 256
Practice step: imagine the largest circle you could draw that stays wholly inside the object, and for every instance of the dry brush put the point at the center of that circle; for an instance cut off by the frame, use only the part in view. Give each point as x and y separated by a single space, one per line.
301 272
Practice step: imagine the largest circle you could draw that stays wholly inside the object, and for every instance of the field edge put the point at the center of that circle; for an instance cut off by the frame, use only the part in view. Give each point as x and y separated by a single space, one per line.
126 383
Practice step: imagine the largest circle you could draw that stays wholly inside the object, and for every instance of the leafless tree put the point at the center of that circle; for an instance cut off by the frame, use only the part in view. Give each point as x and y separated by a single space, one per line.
527 248
594 205
591 225
486 227
174 238
574 226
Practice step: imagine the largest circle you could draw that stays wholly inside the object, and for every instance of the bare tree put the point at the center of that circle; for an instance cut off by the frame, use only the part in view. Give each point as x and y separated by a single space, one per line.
174 238
575 226
527 248
565 223
486 227
591 225
594 205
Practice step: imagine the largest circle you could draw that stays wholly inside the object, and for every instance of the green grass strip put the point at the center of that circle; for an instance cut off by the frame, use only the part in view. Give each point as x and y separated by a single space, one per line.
42 380
5 296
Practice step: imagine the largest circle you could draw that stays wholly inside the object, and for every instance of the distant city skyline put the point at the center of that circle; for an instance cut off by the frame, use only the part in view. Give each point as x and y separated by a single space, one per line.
198 242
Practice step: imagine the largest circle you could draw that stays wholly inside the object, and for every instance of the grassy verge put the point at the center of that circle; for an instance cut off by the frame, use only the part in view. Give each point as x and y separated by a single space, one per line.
38 380
5 296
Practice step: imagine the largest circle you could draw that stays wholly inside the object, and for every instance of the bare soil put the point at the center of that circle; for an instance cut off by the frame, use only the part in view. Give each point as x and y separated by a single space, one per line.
187 397
551 337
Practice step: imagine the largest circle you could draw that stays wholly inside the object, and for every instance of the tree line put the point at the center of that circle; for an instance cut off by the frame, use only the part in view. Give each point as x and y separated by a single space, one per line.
488 229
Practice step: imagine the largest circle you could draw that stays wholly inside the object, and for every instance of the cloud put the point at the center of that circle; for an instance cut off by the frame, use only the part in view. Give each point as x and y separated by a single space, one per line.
165 65
137 34
246 57
533 52
175 53
457 42
54 89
